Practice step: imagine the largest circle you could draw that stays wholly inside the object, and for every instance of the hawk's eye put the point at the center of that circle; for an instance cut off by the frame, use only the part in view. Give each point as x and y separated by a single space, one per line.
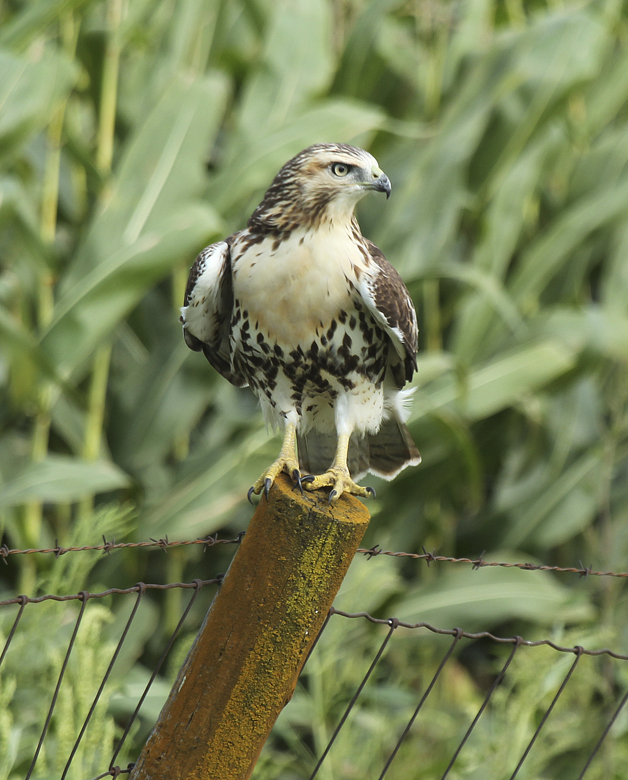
340 169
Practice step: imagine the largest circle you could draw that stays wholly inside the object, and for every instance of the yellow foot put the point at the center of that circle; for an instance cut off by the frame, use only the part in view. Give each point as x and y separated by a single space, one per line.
339 480
265 482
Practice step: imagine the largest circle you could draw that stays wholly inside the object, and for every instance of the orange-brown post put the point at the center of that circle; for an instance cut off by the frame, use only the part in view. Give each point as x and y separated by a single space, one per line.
245 661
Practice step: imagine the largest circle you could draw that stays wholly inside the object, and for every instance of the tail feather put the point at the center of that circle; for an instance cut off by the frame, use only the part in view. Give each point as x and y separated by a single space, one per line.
391 449
384 453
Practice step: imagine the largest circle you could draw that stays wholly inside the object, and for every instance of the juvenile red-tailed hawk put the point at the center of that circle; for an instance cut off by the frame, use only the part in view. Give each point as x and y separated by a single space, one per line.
310 314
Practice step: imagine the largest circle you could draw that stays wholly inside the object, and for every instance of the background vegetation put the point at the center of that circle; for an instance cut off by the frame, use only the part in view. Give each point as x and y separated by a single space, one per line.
135 132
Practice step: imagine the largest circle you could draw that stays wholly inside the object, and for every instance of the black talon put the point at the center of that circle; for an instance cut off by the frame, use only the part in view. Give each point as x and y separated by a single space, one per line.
296 476
371 491
250 493
267 485
333 494
308 478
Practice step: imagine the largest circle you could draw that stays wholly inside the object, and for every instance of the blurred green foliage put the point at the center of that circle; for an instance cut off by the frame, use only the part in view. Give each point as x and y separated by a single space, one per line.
133 133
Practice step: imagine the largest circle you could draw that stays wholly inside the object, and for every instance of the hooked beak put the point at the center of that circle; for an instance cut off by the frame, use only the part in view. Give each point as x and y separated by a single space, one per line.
382 184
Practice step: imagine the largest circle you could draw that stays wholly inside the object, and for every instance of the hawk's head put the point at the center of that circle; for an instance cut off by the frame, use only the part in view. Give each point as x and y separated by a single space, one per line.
323 182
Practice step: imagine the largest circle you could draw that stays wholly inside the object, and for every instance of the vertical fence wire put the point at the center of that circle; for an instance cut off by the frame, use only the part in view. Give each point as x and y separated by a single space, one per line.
23 602
498 679
622 703
198 585
428 690
318 636
140 594
579 650
394 623
84 598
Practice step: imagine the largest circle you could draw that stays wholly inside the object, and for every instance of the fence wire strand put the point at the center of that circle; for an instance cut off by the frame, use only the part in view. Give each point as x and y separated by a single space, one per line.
487 698
622 704
108 546
393 625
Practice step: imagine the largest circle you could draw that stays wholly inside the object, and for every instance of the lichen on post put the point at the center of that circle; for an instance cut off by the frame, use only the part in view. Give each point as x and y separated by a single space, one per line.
246 659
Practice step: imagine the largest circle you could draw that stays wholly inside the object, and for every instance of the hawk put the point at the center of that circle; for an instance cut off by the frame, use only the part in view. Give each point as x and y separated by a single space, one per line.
307 312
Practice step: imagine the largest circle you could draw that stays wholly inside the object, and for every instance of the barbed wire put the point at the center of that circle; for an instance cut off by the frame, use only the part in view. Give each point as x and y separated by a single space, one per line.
371 552
457 634
481 563
108 546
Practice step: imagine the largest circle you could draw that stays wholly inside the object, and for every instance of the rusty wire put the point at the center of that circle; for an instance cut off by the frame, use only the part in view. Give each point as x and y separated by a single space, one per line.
117 591
210 541
198 585
480 563
108 546
484 635
58 685
419 707
548 711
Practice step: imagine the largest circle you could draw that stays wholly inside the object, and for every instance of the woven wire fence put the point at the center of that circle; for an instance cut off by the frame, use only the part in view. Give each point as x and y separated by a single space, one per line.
21 603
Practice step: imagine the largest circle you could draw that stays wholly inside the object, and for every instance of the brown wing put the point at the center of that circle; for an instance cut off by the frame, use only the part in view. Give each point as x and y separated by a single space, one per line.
207 310
387 297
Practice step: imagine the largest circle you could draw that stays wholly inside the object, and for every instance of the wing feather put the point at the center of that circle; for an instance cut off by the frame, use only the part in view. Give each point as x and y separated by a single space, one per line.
388 300
207 309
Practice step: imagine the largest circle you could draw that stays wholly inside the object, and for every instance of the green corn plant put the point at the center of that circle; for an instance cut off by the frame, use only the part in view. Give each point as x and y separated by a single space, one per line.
135 132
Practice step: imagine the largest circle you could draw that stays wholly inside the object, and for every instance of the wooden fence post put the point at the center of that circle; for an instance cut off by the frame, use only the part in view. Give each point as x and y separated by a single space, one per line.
245 661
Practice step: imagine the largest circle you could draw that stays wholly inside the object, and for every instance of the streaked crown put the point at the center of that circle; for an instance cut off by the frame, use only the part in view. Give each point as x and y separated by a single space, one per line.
323 182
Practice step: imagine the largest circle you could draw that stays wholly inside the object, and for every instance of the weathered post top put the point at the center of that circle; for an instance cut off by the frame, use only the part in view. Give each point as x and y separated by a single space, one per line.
245 661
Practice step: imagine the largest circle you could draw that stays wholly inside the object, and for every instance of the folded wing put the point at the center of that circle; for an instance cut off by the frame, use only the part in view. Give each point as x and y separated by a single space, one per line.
207 310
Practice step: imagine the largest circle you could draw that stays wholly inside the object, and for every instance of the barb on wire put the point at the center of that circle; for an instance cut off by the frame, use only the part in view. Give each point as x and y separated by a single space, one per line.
115 771
108 546
480 563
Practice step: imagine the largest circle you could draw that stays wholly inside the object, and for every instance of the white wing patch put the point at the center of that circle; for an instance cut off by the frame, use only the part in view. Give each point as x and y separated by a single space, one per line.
201 315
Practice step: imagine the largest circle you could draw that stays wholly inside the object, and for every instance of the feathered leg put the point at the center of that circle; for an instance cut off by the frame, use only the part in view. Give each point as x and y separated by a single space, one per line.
287 461
337 476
